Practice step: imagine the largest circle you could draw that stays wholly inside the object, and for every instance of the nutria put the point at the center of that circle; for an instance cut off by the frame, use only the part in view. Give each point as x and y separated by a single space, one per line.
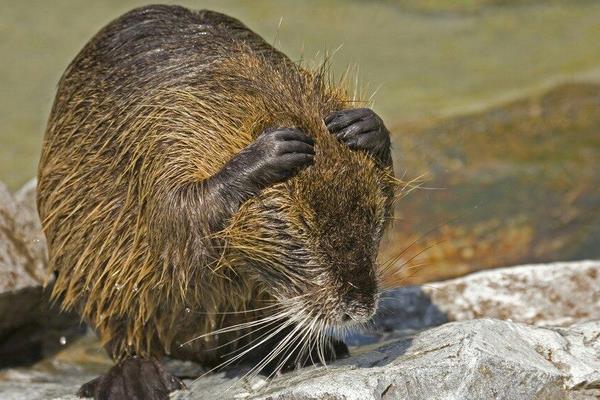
206 198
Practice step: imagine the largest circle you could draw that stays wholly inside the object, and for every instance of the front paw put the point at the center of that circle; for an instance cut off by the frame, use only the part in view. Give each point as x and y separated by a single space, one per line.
360 129
277 155
133 379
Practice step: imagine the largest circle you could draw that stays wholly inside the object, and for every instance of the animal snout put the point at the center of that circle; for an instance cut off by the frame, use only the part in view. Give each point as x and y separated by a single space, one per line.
358 311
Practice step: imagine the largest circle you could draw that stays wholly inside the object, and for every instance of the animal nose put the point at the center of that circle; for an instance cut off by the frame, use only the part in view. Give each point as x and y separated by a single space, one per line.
358 311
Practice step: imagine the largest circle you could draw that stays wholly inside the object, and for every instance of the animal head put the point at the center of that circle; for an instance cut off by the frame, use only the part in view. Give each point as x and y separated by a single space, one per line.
312 242
309 244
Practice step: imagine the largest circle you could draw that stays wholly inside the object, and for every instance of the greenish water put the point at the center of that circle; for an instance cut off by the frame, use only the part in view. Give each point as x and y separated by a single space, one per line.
425 59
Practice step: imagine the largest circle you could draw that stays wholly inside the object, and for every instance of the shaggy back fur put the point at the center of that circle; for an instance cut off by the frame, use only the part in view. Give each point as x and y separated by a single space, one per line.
159 100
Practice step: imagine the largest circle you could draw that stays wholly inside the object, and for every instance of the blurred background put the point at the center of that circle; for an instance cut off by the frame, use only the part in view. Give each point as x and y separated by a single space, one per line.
494 103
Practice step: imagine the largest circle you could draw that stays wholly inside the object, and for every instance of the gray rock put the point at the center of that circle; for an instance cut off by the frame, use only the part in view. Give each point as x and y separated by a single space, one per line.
21 272
29 326
560 293
28 217
556 294
19 268
474 359
479 359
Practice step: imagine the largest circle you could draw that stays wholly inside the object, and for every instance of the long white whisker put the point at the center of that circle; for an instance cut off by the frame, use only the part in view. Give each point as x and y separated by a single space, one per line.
257 368
233 359
253 340
307 346
237 312
243 325
278 349
300 339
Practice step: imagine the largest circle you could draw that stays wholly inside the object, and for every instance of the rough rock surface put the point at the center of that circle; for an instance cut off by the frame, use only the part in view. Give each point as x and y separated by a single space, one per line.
556 294
26 202
499 185
560 293
479 359
523 357
552 294
29 326
19 267
21 270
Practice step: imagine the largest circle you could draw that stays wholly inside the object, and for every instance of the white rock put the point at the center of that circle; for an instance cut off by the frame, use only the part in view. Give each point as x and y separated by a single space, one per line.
479 359
474 358
22 269
18 267
29 219
29 326
560 293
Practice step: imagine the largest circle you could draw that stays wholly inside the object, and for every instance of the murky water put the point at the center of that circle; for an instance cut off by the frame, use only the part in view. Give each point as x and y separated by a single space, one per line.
423 58
471 90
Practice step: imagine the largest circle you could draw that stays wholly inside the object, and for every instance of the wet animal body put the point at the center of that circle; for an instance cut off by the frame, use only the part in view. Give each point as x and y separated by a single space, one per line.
206 198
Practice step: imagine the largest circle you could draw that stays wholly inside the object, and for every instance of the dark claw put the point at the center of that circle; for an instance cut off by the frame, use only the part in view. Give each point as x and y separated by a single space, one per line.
133 379
361 129
342 118
88 389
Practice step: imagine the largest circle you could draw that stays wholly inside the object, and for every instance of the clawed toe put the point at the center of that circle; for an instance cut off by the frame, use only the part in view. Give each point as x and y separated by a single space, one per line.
133 379
361 129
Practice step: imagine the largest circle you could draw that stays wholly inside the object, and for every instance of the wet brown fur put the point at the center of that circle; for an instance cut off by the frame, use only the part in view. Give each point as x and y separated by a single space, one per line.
155 103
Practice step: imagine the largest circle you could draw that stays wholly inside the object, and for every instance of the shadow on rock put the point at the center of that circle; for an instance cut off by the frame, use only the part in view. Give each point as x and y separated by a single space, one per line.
401 312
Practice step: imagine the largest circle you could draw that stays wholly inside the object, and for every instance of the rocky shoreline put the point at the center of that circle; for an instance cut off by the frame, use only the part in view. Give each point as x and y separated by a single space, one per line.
477 359
522 332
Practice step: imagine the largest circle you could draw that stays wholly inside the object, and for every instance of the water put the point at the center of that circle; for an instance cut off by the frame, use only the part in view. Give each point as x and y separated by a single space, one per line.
446 75
439 57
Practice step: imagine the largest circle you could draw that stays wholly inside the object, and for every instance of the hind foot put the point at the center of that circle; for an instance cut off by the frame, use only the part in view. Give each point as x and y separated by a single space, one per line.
361 129
133 379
